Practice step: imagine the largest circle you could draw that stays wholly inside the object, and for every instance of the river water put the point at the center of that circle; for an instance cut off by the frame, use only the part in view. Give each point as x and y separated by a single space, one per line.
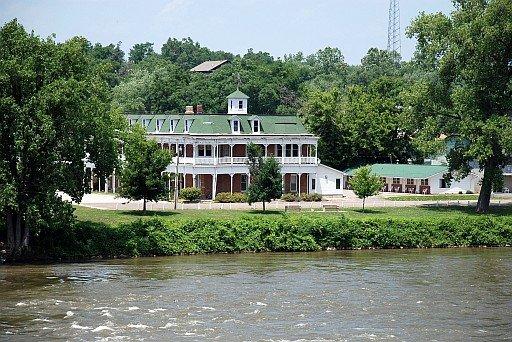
436 295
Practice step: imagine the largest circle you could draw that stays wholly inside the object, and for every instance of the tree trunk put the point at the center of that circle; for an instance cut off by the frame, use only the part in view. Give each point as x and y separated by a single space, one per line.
263 205
364 199
484 198
17 234
144 205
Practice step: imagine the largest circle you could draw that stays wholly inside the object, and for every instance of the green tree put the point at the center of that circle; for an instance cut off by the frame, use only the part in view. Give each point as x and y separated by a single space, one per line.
266 180
140 51
54 110
468 94
365 183
141 177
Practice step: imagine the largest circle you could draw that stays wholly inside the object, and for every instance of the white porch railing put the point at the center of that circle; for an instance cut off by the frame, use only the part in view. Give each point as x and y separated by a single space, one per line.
243 160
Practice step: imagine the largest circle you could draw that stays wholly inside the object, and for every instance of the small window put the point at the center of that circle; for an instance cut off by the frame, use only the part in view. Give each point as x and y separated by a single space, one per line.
293 182
243 182
279 150
424 181
231 104
295 150
288 150
173 125
159 124
188 123
442 183
236 126
240 104
338 183
145 122
410 181
313 184
204 150
396 180
208 151
255 126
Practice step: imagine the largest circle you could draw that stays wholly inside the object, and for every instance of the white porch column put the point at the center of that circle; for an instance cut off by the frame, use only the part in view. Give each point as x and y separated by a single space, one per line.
298 183
284 186
231 152
92 181
316 153
99 183
266 150
300 153
106 184
194 153
214 186
316 183
231 182
283 150
194 176
215 148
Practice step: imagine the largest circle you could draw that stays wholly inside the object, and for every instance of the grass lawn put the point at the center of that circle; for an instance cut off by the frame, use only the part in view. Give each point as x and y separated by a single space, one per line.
114 217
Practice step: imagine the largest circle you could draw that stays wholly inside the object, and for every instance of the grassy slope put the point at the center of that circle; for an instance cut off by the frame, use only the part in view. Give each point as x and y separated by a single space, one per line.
115 217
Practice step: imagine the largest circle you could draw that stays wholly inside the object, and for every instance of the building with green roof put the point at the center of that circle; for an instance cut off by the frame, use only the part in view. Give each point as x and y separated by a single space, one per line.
212 148
418 178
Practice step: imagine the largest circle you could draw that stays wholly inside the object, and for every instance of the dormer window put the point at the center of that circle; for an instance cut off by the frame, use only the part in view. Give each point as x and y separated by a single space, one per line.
188 123
256 126
173 125
145 122
236 125
159 124
240 104
132 122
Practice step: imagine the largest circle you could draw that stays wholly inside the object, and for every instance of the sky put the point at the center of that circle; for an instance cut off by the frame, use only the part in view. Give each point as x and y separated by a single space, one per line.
276 26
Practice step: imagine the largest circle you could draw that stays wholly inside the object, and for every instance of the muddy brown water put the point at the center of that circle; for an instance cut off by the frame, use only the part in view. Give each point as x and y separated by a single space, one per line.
403 295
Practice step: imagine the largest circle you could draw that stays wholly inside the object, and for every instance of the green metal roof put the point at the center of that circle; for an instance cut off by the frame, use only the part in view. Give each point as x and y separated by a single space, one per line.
237 94
220 123
414 171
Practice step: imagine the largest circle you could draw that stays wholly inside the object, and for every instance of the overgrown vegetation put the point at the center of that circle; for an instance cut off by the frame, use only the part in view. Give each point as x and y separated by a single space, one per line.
156 237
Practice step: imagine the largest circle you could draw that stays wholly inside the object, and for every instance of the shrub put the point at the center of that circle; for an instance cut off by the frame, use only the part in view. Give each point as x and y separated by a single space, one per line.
226 197
190 194
290 197
311 197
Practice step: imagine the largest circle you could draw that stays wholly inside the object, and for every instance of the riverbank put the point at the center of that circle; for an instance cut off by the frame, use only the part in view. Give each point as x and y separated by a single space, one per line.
108 234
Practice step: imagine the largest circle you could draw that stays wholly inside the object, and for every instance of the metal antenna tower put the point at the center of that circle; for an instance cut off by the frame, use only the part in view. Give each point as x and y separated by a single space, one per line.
394 38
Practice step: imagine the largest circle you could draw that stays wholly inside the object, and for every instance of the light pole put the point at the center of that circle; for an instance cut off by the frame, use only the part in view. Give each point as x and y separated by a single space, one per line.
176 177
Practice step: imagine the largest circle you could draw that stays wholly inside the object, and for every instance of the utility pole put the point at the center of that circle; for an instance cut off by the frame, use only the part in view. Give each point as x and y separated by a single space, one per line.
176 177
394 36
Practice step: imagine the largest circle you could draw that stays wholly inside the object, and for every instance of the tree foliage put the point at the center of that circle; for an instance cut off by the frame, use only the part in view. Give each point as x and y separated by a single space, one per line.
365 183
54 109
266 181
467 91
141 177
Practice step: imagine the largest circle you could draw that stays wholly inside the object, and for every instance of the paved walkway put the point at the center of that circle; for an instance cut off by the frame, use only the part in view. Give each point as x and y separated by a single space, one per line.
110 202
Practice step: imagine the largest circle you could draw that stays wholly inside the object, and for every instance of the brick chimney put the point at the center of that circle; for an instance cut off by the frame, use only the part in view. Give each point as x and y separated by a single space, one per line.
189 109
199 109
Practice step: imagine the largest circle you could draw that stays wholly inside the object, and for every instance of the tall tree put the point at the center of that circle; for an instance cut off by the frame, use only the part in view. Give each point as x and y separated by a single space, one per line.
468 96
140 51
141 177
266 180
54 109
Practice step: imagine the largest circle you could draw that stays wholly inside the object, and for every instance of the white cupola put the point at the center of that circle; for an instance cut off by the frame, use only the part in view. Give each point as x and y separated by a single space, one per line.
237 102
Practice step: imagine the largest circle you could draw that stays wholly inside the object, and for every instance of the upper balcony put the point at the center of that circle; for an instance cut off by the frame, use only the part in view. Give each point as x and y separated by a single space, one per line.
209 155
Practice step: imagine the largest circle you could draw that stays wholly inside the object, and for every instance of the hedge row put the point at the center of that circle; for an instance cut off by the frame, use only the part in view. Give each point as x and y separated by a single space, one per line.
87 240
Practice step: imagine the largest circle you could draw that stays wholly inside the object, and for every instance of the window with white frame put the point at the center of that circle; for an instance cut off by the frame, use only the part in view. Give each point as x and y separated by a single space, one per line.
424 181
293 182
145 122
172 125
240 104
159 124
313 184
256 126
132 122
410 181
279 151
295 150
236 126
188 123
396 180
243 182
338 183
204 150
